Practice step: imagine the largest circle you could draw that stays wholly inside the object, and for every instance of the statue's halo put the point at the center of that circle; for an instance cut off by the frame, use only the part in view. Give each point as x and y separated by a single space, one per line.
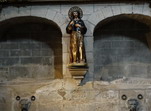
73 9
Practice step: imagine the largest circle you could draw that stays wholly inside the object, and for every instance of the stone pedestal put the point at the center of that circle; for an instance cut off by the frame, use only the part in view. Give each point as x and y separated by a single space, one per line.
78 71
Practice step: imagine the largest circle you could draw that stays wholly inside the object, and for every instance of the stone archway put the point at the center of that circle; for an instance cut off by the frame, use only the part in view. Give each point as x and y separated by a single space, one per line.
47 12
31 47
122 47
103 12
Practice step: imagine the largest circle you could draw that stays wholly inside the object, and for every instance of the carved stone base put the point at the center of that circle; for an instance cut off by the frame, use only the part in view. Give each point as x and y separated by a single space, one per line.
78 72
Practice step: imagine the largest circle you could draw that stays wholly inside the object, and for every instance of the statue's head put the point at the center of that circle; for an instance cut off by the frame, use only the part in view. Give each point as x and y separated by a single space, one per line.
75 14
132 104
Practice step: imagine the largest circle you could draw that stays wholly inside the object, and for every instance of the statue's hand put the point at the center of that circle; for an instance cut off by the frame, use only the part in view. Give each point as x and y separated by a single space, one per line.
77 25
72 22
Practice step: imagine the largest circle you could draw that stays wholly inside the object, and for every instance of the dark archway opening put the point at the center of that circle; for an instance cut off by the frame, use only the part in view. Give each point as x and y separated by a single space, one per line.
121 48
30 47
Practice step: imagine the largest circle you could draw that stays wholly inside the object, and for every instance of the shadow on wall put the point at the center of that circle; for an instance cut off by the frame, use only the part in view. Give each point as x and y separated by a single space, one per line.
30 47
121 49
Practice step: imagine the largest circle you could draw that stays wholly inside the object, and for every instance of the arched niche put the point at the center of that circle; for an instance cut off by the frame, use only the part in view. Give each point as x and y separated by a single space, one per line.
30 47
122 47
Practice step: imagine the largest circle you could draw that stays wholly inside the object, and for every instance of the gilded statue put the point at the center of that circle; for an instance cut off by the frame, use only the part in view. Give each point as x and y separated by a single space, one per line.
76 28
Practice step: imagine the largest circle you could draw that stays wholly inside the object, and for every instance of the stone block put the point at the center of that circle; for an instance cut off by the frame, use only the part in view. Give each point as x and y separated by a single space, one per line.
86 17
4 76
146 9
66 73
65 9
87 9
39 11
11 12
29 45
103 44
31 60
89 57
25 11
63 30
36 52
9 46
18 71
99 7
50 14
56 8
60 19
10 61
126 8
25 45
116 9
90 68
3 69
66 44
138 70
90 28
66 58
47 60
88 41
4 53
111 73
36 45
95 18
41 72
107 12
102 59
138 8
20 53
47 52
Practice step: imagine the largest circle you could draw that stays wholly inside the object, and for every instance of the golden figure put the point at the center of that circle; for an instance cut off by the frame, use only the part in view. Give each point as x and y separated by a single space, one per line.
76 28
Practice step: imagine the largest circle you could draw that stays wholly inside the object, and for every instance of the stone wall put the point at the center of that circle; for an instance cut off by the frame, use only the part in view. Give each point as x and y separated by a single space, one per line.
29 49
93 14
64 94
121 50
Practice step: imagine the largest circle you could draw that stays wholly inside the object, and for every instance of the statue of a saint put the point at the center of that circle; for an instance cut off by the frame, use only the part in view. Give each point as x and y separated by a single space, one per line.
76 28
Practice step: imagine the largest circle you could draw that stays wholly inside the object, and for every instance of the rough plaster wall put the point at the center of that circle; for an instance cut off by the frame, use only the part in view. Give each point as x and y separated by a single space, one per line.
65 95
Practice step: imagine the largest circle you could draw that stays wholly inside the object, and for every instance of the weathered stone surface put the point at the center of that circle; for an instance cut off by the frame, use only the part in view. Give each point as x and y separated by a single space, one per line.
31 62
50 14
64 95
39 11
25 11
126 8
11 12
